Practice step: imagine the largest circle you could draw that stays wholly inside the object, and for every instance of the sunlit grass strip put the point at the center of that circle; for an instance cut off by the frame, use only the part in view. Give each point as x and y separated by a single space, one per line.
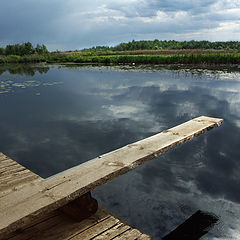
24 59
187 58
223 58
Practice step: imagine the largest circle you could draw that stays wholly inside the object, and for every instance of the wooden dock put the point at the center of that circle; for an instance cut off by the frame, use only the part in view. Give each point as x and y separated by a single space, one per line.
61 206
57 225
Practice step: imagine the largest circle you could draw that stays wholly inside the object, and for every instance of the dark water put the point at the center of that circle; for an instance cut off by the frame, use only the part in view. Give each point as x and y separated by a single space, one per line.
53 118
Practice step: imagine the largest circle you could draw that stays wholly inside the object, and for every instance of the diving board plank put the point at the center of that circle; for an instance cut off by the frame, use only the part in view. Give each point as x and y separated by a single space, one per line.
19 207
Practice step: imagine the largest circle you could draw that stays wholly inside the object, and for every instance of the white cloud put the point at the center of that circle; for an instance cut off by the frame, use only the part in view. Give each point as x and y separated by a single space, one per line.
77 24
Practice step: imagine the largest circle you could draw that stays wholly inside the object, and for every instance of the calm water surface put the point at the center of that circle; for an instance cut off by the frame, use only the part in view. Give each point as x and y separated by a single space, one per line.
56 117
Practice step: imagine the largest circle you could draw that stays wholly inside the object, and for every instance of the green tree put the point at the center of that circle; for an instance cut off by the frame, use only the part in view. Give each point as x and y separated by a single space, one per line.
41 49
2 51
29 48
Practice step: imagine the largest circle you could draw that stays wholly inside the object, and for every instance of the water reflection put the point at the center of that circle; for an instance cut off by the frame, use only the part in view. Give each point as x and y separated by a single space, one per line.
26 69
96 110
24 72
199 224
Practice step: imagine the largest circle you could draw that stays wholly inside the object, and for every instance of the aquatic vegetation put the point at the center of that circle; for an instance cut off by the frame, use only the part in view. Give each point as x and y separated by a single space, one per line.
199 57
9 86
51 83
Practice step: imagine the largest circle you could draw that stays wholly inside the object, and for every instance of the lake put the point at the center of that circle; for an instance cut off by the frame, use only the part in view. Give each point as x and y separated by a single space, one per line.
54 117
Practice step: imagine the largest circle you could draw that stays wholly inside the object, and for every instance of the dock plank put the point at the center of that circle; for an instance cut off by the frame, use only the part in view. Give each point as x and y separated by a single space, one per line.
57 225
36 198
132 234
96 229
14 176
113 232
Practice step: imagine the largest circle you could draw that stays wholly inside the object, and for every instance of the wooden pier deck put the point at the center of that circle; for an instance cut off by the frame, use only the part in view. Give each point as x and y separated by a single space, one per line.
32 208
57 225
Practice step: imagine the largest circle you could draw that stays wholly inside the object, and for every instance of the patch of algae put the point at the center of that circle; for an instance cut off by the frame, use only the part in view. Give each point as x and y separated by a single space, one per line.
7 86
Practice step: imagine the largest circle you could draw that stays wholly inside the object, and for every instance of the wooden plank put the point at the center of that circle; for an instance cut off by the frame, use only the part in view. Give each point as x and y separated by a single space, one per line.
96 229
40 229
113 232
18 208
59 226
144 237
9 170
6 164
56 225
132 234
22 180
14 176
31 229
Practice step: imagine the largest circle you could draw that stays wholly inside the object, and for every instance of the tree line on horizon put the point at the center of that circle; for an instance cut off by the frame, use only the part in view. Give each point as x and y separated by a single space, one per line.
28 49
23 49
168 44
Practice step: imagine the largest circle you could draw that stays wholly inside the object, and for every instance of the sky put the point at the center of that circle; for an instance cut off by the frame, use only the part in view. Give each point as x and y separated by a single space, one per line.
77 24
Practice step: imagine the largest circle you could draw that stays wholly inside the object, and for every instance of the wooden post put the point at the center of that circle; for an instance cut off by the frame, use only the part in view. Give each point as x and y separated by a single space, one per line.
81 208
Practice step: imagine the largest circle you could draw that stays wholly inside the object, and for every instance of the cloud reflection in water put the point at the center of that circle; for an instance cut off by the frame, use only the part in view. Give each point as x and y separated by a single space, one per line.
97 110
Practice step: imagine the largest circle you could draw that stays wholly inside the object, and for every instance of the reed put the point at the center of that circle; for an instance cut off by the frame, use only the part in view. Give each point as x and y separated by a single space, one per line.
208 58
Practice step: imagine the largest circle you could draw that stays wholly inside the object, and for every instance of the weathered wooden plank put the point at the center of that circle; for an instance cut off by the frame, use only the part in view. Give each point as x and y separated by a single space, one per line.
16 184
18 208
113 232
7 164
14 176
9 170
144 237
38 225
56 225
39 229
96 229
132 234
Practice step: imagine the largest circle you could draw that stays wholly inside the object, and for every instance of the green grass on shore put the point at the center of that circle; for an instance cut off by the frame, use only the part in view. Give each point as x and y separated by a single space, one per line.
164 58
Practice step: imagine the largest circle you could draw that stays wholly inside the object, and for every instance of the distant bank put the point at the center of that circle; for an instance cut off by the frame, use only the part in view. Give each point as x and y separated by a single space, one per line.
135 52
132 57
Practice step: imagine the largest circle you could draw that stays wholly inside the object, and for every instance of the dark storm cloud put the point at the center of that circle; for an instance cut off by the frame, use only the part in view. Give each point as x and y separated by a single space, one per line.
28 20
177 5
145 8
77 24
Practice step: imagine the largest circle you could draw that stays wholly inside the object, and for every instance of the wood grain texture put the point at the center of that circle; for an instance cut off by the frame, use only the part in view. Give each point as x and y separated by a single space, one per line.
56 224
14 176
113 232
36 198
132 234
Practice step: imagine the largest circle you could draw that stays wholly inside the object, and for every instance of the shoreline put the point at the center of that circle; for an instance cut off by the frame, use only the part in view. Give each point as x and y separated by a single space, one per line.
191 59
137 65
